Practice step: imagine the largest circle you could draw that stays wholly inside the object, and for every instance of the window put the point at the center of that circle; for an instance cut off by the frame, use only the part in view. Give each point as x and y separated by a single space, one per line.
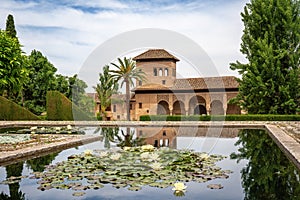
163 82
140 83
166 72
130 106
118 117
160 72
164 133
155 71
115 108
140 105
173 72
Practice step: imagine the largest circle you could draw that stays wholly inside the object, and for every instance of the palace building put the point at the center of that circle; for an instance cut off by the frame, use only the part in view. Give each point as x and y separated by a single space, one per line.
163 94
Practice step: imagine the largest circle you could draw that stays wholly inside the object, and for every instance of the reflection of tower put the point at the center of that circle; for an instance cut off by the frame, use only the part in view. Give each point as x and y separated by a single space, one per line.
158 136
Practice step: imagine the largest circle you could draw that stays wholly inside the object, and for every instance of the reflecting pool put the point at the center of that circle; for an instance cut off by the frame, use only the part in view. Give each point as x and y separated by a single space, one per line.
259 169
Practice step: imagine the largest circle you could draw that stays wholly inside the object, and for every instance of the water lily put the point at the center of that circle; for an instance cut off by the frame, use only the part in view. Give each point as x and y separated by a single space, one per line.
88 152
153 156
145 155
179 187
43 128
57 128
127 148
156 166
204 156
103 154
115 156
33 128
147 147
69 127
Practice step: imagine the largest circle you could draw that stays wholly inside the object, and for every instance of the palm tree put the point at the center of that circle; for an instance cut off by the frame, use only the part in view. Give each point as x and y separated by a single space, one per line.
105 89
127 72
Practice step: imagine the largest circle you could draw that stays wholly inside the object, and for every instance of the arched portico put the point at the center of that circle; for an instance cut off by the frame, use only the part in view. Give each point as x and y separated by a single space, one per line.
197 105
216 107
163 108
178 108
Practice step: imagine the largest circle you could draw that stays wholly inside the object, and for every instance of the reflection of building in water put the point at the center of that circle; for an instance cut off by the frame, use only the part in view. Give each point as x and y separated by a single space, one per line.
167 137
158 136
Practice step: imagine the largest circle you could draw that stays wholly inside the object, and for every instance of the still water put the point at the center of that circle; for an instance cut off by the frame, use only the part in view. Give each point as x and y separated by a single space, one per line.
260 169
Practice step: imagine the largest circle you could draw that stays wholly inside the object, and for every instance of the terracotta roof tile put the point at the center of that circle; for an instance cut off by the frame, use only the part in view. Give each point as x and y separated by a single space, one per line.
155 54
196 83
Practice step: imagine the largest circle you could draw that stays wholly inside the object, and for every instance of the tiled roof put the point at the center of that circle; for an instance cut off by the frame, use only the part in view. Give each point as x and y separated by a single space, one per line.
206 83
196 83
155 54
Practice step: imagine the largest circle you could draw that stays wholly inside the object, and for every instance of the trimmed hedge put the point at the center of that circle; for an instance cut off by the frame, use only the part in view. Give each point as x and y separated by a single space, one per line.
11 111
59 107
220 118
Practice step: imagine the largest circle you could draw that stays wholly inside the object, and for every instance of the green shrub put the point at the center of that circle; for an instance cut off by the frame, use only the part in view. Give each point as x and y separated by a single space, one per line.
59 107
12 111
99 117
220 118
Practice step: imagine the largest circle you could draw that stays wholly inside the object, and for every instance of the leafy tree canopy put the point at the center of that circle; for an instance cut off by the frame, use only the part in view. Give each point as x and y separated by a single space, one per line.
12 69
270 81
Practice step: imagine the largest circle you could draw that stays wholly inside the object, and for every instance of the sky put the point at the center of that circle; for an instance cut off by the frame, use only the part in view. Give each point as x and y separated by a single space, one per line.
68 31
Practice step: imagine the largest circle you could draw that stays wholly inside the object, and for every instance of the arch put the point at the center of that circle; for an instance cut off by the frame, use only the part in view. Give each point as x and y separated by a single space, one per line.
163 108
197 105
216 107
178 108
200 110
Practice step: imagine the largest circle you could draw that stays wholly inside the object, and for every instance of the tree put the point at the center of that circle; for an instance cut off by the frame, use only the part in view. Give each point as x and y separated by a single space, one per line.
105 89
41 79
127 72
12 70
271 38
10 26
78 95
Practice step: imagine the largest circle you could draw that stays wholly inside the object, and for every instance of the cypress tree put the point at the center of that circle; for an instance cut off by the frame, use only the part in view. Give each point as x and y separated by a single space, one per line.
10 26
270 80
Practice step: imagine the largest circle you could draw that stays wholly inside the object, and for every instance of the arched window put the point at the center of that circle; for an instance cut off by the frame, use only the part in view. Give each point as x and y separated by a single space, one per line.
160 72
155 71
166 72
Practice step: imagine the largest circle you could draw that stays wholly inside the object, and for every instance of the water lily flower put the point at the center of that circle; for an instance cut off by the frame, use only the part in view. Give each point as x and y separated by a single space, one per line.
179 187
154 156
204 156
87 152
33 128
156 166
103 154
43 128
115 156
145 155
147 147
57 128
127 148
69 127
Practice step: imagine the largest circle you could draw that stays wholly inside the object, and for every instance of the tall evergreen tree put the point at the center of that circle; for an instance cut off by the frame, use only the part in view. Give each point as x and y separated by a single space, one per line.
271 38
10 26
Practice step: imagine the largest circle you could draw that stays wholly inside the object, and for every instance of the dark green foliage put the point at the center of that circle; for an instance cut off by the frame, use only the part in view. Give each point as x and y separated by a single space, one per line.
12 111
60 107
41 79
12 70
10 26
38 164
270 81
268 174
220 118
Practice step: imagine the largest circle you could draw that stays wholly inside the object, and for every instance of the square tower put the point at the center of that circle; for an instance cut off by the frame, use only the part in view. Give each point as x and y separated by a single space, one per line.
159 67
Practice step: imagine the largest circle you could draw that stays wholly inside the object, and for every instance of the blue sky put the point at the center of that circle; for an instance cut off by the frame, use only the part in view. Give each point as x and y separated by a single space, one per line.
67 31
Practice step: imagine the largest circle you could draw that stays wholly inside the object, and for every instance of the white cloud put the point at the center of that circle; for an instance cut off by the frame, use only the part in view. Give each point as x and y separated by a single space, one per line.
67 35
